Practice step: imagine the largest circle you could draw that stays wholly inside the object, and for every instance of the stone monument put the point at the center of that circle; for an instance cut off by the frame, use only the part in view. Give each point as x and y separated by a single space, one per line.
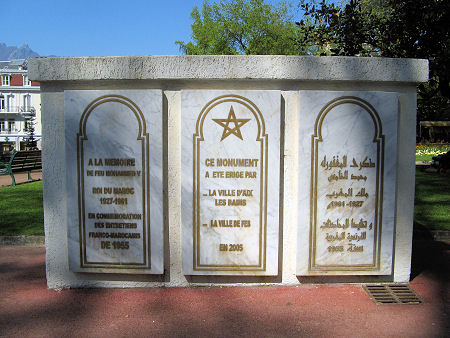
114 181
230 182
227 170
348 158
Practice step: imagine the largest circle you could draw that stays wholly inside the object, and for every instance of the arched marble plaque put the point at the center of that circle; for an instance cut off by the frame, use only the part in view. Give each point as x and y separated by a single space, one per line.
351 160
118 194
230 209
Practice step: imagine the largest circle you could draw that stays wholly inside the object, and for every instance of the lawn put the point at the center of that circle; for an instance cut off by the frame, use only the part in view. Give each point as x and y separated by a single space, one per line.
432 201
425 151
21 210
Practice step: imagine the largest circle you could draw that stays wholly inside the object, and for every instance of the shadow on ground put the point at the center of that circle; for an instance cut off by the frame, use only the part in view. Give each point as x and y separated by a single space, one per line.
28 308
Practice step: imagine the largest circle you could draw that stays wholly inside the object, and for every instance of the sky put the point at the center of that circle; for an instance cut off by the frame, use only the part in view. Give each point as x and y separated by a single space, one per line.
97 27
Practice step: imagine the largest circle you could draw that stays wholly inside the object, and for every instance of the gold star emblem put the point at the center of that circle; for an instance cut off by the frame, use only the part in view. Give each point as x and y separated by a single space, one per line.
238 123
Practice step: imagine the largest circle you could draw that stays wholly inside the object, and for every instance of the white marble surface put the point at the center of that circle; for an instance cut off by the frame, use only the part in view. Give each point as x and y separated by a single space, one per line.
114 180
230 164
347 180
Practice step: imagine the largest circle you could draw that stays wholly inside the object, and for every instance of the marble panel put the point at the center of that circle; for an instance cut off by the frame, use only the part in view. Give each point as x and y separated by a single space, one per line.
347 182
114 180
230 165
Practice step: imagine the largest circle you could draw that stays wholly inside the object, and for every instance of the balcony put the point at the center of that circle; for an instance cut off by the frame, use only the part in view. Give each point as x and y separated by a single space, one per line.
10 132
21 110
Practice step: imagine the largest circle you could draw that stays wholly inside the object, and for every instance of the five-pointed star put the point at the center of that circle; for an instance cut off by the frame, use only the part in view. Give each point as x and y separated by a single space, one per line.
238 123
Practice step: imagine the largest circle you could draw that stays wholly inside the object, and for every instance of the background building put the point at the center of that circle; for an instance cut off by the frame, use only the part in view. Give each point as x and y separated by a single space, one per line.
20 106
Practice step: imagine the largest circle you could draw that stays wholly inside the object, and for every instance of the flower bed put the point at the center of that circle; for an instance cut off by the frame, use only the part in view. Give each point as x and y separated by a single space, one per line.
425 151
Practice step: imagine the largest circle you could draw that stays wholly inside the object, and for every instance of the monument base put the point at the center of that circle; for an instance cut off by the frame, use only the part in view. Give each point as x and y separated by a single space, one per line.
247 170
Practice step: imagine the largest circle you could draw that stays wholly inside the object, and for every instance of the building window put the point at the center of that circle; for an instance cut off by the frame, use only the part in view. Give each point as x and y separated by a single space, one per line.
26 103
28 124
2 103
6 80
2 126
10 102
6 147
11 126
26 82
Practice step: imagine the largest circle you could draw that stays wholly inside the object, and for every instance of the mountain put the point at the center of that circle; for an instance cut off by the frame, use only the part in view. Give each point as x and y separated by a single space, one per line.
13 53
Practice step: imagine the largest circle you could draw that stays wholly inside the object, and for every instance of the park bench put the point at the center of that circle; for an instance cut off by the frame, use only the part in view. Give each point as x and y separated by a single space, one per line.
21 161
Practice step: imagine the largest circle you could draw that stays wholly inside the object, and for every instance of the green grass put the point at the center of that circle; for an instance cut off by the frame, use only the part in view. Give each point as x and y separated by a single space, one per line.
424 157
425 151
432 201
21 210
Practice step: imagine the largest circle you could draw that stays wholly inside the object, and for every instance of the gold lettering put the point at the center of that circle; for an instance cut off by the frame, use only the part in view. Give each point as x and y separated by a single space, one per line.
218 174
237 162
123 162
237 202
220 202
245 223
234 174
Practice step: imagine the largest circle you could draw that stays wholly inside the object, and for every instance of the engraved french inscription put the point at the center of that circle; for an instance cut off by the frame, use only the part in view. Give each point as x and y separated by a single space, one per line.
114 217
230 219
348 185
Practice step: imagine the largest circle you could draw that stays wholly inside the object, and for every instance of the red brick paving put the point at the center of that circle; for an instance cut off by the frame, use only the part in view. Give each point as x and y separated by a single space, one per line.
28 308
5 180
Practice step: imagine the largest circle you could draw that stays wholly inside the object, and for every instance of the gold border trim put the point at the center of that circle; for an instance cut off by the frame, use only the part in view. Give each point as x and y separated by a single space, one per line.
143 136
263 139
379 140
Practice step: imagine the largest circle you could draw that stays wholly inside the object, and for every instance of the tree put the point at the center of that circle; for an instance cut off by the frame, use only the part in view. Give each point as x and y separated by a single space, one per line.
30 140
242 27
389 28
420 29
349 28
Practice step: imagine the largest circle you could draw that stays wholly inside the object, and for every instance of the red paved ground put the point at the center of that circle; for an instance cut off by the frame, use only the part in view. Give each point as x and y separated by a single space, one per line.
5 180
28 308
